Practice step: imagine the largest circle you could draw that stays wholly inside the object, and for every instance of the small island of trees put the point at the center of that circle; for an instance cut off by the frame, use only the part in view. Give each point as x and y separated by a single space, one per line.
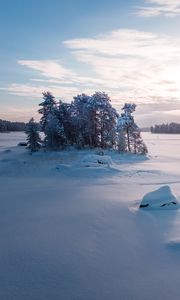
86 122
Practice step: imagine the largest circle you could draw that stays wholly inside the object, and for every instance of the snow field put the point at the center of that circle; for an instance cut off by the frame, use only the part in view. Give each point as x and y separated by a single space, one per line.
72 232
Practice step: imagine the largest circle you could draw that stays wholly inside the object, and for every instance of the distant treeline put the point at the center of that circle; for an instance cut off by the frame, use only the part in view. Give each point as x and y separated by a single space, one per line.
11 126
166 128
145 129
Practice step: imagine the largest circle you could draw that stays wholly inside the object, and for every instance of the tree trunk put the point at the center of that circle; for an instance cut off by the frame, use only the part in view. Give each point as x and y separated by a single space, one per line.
128 140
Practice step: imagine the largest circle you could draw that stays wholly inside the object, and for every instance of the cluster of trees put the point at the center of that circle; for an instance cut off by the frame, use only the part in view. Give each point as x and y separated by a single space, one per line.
88 121
6 126
166 128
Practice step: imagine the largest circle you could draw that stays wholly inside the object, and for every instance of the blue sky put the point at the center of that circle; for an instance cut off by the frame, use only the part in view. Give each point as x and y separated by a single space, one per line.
130 49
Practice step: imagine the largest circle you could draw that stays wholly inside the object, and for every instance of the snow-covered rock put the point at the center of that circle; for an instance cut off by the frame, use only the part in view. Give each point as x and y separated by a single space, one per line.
93 160
22 144
162 198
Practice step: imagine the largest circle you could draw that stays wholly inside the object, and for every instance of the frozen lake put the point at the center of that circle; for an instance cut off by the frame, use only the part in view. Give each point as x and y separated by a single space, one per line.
70 232
158 144
162 144
11 139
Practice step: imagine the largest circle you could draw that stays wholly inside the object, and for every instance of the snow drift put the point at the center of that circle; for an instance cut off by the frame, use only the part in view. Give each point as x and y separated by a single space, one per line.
94 160
69 234
162 198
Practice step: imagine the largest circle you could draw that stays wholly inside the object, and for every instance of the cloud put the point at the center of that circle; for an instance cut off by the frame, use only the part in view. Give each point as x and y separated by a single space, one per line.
19 114
48 68
173 112
127 64
168 8
131 63
162 110
25 90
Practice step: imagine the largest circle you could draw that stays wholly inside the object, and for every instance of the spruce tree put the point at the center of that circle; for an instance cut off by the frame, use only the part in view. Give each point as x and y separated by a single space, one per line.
33 138
51 126
48 106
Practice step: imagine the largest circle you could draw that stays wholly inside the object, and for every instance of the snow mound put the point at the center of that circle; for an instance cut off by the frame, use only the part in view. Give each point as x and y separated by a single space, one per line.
7 151
162 198
94 160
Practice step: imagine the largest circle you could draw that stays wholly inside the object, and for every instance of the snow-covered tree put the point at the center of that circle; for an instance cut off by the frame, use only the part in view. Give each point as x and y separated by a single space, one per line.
81 119
89 121
129 135
126 120
102 121
33 138
54 133
107 120
93 120
48 106
51 125
65 116
121 140
138 146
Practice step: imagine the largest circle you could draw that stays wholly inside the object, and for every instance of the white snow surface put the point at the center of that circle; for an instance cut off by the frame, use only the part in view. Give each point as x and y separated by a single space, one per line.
74 233
162 198
94 160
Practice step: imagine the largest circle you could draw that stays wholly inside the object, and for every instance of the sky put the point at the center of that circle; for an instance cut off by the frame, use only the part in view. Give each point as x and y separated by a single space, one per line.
128 49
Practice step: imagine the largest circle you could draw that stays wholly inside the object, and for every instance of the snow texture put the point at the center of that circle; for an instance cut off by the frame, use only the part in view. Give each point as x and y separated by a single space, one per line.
94 160
74 233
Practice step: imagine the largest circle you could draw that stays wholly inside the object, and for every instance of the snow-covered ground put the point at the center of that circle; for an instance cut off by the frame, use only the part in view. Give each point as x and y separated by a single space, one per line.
72 232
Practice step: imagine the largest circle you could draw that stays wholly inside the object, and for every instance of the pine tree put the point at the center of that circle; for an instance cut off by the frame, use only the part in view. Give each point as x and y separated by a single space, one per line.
102 121
65 116
129 132
48 106
50 123
121 140
33 138
54 133
138 146
80 109
128 120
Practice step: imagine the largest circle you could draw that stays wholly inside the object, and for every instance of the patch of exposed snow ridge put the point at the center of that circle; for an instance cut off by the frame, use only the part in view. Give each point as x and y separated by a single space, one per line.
162 198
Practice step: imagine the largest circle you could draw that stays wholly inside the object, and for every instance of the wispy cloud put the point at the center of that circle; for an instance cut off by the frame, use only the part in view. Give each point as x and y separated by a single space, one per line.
133 63
15 113
58 74
127 64
27 90
168 8
48 68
